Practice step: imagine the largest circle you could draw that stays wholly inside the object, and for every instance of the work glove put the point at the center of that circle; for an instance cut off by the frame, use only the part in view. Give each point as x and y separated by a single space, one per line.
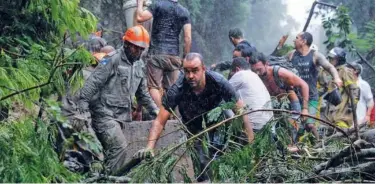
144 153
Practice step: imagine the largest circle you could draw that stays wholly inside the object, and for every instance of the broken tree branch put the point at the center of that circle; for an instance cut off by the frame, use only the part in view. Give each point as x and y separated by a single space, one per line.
114 179
339 157
366 168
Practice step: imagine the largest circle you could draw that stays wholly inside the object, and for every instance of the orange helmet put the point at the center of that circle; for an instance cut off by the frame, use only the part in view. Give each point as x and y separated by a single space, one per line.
137 35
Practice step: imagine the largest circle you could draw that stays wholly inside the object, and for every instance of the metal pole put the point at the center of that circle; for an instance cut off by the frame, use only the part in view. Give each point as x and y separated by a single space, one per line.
365 61
312 10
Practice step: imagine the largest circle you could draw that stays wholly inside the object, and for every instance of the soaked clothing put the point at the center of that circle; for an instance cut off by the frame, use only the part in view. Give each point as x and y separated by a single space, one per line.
342 113
191 105
307 71
245 43
87 72
163 70
168 19
255 96
366 98
226 65
117 81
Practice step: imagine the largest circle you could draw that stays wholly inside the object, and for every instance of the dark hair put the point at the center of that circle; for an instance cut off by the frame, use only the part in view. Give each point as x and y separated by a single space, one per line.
240 62
245 50
259 57
308 37
192 55
235 33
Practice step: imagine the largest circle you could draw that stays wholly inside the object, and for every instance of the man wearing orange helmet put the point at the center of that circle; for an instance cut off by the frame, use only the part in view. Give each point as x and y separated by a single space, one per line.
163 62
118 78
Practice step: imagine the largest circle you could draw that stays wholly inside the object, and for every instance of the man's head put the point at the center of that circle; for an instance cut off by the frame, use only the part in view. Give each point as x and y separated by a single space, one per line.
136 40
337 56
194 69
259 64
239 64
356 67
96 44
235 35
303 39
244 51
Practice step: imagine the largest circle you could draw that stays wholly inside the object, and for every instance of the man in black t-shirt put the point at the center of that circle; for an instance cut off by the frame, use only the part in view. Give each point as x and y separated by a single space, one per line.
237 39
196 92
163 62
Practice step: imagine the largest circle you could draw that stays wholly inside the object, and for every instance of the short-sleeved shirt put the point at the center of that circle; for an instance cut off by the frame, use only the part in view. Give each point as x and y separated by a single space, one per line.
254 94
245 43
169 17
191 105
365 97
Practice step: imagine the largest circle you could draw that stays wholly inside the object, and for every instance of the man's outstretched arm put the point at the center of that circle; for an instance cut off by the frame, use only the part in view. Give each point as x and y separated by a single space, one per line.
157 127
187 38
293 80
154 134
248 125
322 61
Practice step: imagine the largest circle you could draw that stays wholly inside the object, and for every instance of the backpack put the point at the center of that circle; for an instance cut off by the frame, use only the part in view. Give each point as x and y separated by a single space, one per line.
277 80
278 62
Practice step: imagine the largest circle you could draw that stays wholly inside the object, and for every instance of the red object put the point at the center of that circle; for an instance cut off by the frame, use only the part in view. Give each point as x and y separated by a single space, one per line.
372 117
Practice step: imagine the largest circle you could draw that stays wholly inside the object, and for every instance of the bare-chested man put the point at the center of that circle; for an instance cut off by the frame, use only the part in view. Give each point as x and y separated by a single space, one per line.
279 81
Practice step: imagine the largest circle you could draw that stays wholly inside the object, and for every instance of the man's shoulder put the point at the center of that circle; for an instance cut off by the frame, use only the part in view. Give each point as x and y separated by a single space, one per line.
245 74
363 84
246 43
318 55
183 9
110 57
215 77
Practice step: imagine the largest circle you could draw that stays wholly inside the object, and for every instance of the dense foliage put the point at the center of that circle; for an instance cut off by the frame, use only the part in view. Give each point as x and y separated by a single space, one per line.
339 32
34 68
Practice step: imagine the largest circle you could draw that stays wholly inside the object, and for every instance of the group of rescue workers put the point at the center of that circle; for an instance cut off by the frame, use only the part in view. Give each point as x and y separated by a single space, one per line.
162 82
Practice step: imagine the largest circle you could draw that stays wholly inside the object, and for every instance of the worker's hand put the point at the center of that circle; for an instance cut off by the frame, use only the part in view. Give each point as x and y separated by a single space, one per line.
144 153
338 82
304 113
251 138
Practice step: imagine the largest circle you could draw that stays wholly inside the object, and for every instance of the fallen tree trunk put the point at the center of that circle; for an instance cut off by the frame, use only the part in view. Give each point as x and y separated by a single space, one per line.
105 178
364 133
366 170
339 157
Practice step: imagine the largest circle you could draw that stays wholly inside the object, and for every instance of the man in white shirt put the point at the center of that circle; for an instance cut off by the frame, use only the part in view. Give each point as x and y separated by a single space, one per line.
366 103
252 91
